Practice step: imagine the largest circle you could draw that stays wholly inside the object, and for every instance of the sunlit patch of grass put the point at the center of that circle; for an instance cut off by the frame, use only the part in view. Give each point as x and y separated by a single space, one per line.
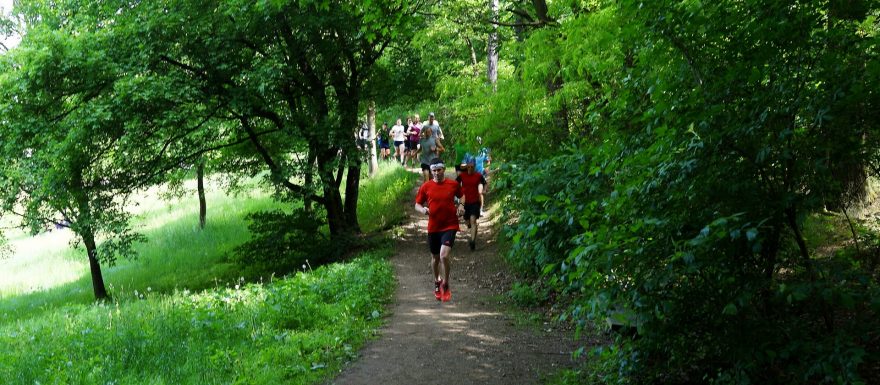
826 231
383 198
180 255
293 330
44 271
39 262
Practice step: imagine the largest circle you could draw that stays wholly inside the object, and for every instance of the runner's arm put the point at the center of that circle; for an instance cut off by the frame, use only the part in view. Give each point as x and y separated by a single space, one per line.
421 199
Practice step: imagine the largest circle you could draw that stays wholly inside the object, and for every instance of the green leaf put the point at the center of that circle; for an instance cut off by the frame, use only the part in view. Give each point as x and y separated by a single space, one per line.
541 198
730 309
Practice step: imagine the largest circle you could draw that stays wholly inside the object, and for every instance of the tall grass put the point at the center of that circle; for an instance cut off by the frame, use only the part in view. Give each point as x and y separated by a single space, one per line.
179 315
46 272
294 330
383 198
39 262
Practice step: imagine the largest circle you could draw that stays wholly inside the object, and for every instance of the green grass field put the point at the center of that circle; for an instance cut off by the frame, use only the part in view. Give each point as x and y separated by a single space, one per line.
180 314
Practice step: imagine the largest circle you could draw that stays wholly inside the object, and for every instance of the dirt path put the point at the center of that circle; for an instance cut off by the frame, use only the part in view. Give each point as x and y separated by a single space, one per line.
465 341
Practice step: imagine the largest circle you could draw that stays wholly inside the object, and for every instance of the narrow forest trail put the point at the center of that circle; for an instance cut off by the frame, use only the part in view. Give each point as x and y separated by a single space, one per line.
468 340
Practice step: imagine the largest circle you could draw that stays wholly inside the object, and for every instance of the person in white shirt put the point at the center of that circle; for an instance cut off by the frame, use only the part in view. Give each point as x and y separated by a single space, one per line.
364 137
398 135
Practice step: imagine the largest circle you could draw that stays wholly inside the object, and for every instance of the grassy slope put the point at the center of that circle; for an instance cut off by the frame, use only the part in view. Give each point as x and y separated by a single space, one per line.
161 329
49 273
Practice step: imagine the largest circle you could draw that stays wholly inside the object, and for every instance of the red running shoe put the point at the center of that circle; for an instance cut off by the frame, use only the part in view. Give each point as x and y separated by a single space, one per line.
446 293
438 293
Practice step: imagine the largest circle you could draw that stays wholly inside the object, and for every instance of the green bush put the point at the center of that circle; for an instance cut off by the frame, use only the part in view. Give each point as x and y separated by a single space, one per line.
283 242
695 283
704 135
524 295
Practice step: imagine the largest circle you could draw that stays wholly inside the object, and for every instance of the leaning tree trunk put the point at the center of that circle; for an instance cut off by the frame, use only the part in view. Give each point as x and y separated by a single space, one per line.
200 183
474 63
88 239
86 232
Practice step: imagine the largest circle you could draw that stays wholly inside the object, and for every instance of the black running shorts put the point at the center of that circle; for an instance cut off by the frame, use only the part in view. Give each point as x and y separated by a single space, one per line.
471 210
442 238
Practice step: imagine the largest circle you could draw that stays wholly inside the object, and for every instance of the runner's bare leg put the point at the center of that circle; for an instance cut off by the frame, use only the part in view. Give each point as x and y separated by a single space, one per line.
435 264
444 260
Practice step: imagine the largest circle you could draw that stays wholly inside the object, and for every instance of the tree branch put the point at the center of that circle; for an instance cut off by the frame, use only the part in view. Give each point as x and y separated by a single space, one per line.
273 166
186 67
533 24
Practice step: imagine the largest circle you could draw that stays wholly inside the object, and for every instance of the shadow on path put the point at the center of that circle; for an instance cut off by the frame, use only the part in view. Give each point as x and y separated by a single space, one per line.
464 341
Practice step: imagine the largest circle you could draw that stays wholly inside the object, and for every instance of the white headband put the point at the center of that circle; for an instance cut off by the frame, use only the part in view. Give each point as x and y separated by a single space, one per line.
437 166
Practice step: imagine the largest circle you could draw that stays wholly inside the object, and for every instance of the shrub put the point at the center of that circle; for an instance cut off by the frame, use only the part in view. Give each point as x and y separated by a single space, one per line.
714 297
283 242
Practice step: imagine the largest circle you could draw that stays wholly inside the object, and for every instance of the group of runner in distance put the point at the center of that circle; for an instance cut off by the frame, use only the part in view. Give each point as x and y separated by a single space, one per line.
442 199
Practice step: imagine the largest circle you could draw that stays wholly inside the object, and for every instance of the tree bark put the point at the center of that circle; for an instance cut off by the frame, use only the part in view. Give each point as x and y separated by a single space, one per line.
100 290
353 175
339 213
352 188
86 232
541 11
332 199
474 63
492 47
200 183
371 121
309 177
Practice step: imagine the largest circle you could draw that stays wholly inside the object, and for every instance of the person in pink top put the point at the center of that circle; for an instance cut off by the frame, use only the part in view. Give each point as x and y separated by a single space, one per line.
414 128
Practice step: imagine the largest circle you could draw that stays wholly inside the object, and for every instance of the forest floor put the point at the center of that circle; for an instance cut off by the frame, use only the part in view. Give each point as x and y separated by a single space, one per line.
468 340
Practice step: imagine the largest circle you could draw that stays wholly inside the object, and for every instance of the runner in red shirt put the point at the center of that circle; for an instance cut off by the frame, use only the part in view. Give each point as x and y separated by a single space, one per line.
472 184
440 195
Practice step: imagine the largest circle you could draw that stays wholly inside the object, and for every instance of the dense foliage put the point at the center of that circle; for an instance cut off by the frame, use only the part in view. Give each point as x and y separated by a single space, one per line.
101 100
698 138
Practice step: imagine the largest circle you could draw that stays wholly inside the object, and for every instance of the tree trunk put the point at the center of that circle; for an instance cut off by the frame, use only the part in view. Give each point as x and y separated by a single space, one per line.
88 239
474 63
337 218
492 47
200 183
86 232
371 121
541 11
791 215
352 187
348 219
309 177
